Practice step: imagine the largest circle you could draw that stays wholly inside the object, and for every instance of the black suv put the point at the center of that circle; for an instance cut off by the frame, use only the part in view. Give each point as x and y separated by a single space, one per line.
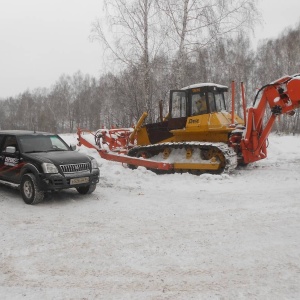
38 162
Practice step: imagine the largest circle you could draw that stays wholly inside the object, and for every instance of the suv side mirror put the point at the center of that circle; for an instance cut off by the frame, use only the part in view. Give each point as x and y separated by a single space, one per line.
73 147
10 149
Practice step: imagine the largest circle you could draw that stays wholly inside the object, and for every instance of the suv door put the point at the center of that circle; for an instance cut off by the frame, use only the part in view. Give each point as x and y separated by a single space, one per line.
9 159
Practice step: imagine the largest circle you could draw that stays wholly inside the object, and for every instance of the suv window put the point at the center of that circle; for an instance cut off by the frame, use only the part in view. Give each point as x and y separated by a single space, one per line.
9 141
57 143
41 143
1 139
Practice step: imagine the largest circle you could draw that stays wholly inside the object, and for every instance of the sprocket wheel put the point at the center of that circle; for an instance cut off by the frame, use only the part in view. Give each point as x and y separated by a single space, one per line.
216 155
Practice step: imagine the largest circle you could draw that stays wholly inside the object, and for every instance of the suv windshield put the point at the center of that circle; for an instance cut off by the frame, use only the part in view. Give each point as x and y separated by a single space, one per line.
42 143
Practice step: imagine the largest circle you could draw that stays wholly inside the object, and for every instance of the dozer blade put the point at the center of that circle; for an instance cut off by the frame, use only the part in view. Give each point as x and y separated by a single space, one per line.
135 161
195 166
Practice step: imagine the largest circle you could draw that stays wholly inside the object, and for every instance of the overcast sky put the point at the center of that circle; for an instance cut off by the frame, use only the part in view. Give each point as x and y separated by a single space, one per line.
43 39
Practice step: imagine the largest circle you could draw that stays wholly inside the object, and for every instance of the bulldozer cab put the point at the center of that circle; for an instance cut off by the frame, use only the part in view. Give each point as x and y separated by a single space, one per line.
197 99
188 107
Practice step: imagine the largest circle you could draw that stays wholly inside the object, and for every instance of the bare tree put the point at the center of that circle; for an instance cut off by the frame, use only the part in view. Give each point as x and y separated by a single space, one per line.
195 24
133 37
61 96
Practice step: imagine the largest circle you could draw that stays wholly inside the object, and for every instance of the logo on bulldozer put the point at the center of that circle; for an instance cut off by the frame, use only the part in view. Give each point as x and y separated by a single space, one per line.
193 121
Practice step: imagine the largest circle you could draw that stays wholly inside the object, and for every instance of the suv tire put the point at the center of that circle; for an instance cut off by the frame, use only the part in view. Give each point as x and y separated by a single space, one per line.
29 189
83 190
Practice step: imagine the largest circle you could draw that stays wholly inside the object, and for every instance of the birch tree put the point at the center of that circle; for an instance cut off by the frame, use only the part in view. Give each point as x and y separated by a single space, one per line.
134 38
197 24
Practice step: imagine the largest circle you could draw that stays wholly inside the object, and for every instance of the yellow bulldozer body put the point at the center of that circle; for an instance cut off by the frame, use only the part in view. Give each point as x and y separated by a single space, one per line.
212 127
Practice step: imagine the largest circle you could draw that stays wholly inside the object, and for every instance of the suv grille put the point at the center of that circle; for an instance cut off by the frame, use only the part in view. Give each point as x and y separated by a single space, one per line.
73 168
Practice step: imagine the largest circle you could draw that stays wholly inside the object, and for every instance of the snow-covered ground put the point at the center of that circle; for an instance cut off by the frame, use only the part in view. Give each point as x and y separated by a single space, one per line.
147 236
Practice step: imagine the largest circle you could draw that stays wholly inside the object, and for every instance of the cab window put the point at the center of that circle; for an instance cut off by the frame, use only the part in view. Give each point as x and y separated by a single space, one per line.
220 103
211 101
178 104
199 105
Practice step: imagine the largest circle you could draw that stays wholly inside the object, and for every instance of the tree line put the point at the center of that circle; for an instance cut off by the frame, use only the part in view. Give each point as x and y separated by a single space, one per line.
150 65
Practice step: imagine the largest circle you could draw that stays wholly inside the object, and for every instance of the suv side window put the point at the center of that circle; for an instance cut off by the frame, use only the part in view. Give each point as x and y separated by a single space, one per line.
1 139
9 141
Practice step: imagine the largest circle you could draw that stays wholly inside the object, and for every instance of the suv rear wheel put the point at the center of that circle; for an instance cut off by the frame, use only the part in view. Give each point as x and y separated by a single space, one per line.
29 189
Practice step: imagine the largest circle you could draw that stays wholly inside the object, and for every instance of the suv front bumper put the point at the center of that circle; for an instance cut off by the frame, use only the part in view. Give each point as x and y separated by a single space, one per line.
59 181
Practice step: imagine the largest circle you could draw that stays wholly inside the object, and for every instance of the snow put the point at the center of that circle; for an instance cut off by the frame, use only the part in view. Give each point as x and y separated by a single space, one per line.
147 236
197 85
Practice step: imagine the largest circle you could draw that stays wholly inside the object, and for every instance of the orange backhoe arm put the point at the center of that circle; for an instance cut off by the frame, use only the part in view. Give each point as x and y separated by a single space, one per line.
282 97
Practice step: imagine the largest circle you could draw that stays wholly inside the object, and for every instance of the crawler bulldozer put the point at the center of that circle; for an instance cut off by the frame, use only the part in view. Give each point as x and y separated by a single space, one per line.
199 134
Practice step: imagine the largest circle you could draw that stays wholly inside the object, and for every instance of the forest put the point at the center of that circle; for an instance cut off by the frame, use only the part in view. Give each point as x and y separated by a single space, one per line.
152 48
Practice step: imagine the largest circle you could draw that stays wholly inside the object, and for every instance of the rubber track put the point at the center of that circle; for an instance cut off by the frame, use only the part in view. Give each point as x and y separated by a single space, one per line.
229 154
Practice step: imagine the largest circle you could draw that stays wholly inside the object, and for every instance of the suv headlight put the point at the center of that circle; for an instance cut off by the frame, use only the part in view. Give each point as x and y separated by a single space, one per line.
94 163
49 168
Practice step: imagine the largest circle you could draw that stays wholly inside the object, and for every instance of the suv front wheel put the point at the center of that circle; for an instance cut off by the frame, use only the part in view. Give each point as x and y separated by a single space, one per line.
29 189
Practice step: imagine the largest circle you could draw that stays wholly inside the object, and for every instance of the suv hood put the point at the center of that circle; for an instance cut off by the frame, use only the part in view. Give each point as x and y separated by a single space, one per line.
59 157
